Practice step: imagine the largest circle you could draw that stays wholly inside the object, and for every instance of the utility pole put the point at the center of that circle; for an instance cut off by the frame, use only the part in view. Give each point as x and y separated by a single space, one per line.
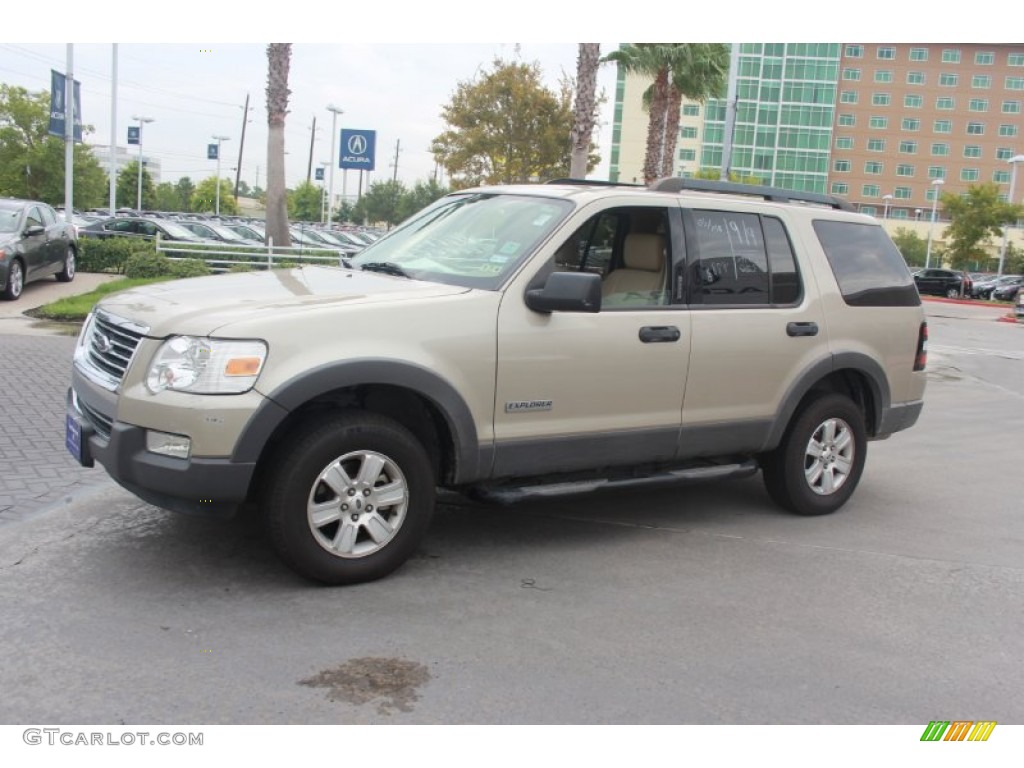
241 146
312 141
394 176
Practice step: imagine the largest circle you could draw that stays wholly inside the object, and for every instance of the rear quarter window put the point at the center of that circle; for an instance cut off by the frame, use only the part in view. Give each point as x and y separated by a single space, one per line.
867 265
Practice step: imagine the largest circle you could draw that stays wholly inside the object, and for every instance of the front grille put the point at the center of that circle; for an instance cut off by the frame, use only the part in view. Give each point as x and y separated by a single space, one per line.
109 348
102 424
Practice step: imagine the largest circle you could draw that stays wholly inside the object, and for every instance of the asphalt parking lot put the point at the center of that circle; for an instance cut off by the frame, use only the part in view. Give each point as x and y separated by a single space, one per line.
701 604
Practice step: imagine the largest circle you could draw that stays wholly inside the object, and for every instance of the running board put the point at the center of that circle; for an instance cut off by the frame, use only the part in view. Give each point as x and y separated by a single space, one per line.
510 494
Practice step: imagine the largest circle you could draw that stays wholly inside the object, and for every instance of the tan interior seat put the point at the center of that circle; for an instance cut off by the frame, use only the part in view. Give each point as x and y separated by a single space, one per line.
643 271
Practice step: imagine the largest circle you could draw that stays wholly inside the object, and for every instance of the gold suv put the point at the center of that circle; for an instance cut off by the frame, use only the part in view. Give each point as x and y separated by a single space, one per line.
511 342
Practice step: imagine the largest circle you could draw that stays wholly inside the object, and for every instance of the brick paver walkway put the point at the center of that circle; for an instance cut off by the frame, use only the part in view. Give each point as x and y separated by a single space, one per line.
35 467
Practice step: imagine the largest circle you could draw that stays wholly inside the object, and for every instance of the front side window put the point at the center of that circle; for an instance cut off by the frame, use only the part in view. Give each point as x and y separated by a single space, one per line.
472 240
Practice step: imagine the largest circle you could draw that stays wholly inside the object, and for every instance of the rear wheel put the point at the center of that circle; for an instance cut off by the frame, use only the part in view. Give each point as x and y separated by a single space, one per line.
68 273
952 293
15 281
816 468
349 498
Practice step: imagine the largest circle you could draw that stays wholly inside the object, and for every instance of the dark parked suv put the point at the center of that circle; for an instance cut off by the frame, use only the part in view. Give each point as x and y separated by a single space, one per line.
943 282
34 243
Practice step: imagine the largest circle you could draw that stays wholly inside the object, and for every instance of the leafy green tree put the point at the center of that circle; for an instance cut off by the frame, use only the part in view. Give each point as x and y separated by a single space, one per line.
166 197
713 174
305 203
974 219
505 127
419 197
345 212
382 202
32 161
911 245
127 193
185 189
1014 261
204 199
244 189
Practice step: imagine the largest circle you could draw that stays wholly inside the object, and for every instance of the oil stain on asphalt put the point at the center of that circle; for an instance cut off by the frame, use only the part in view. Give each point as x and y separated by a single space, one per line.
391 683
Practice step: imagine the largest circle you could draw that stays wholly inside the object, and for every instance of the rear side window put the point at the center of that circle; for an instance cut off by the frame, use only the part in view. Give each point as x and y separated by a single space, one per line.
744 259
867 265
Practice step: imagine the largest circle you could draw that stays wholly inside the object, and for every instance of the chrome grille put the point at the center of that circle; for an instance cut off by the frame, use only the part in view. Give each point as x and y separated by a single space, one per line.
108 349
102 424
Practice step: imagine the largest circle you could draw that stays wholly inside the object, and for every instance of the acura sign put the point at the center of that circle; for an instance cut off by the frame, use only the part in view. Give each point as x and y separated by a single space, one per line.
357 149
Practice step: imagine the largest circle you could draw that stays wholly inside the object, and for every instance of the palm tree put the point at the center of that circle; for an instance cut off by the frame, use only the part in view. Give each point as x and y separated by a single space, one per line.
585 108
694 70
279 57
699 71
653 60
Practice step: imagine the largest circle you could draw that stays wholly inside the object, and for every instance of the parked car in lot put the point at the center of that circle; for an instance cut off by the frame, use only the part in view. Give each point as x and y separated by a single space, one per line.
982 289
34 243
1018 307
131 226
943 282
1008 289
209 230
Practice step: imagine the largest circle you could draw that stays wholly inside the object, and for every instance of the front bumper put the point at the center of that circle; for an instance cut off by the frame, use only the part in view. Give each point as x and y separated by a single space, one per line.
200 486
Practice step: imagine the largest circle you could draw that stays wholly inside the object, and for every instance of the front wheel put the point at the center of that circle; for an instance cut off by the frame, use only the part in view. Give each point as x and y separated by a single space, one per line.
816 468
15 281
68 273
349 498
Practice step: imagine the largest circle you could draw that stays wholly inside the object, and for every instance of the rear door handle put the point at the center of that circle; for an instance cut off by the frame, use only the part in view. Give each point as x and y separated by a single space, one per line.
802 329
650 334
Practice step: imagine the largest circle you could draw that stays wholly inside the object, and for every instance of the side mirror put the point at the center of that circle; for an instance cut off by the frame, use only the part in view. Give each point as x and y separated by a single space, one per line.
34 230
567 292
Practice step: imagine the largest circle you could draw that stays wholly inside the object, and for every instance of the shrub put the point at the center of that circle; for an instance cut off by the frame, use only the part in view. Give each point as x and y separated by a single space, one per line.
241 268
148 265
110 255
189 268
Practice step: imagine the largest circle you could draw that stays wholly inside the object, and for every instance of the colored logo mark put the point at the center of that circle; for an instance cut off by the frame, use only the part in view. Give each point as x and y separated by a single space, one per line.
958 730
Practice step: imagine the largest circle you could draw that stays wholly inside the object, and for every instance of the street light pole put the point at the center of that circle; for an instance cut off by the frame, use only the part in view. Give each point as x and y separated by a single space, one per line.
1013 181
936 183
335 111
138 199
888 200
219 140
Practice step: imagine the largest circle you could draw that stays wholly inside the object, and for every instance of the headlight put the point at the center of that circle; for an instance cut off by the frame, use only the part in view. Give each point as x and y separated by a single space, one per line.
82 345
206 366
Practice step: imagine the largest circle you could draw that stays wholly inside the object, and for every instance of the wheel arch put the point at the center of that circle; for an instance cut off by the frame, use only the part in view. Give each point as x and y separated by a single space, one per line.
853 374
426 404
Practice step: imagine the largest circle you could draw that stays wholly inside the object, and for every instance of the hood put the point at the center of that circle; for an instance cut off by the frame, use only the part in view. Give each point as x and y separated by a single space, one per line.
201 305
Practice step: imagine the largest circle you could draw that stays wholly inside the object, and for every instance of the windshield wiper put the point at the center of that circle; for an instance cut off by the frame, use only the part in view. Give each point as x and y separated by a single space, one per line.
384 266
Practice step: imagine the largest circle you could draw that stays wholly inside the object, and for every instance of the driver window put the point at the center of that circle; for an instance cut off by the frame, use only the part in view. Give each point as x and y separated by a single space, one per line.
34 218
147 228
629 248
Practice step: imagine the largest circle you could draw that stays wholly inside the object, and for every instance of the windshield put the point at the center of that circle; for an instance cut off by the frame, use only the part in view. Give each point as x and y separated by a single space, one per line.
9 219
473 240
227 234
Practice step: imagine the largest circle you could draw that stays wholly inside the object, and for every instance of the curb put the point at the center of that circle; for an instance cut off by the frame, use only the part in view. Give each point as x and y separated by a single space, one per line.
1010 318
971 302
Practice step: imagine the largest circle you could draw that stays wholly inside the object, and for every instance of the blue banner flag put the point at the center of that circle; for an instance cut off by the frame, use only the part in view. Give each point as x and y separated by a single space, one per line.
357 149
133 134
319 174
58 95
211 151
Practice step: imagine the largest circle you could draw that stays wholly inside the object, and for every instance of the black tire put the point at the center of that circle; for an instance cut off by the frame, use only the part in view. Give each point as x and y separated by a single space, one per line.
67 274
381 460
15 281
785 469
952 293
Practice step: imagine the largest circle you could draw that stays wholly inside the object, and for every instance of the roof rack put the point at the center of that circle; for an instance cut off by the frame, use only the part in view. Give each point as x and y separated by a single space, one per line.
773 194
591 183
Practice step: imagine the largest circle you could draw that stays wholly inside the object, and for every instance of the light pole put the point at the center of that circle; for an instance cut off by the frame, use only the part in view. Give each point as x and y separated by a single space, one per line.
335 111
888 201
936 183
1013 181
219 140
323 193
142 121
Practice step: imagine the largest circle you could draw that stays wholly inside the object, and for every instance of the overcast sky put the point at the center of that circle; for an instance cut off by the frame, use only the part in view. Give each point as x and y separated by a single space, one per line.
389 65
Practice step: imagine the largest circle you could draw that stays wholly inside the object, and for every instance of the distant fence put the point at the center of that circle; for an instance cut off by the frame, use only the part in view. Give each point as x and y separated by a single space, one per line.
222 257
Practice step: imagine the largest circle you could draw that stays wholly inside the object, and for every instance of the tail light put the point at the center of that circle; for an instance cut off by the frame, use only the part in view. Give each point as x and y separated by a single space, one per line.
921 358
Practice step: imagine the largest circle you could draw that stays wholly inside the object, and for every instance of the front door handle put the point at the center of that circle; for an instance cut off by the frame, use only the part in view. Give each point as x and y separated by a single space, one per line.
650 334
802 329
